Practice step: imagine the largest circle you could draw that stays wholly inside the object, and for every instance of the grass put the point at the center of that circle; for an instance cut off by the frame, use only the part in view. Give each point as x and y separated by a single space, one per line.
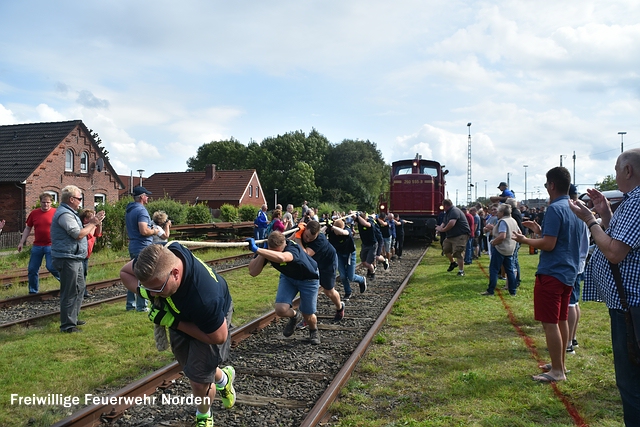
450 357
446 356
115 348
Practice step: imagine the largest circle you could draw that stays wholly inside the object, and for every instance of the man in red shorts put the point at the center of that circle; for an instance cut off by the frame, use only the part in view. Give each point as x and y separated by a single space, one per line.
557 270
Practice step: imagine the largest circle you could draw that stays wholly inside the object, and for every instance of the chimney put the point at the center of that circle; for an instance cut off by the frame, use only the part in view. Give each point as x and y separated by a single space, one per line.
210 172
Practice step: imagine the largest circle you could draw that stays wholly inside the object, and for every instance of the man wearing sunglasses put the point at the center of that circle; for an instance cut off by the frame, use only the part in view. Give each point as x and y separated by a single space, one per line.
69 250
195 304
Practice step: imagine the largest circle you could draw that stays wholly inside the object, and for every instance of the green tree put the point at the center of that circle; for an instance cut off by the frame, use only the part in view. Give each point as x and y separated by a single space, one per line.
226 155
358 174
608 183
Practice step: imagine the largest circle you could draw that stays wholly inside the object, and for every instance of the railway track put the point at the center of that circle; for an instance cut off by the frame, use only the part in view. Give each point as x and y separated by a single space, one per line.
279 381
28 309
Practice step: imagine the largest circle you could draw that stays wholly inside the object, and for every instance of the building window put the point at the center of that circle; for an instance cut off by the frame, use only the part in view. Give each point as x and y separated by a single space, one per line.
54 196
99 199
257 192
68 160
251 191
84 162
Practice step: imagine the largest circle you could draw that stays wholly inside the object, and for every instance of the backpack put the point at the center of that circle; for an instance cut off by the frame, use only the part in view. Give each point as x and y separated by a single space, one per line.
269 228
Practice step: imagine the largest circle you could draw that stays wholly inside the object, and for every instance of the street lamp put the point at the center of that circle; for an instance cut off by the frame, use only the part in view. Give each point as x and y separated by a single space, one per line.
622 134
485 191
525 183
275 201
140 171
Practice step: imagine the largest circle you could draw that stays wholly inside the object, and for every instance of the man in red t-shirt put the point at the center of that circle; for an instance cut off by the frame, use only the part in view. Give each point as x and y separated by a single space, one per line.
40 221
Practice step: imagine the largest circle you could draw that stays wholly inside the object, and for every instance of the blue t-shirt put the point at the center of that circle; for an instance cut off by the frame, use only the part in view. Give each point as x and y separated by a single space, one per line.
303 267
325 253
135 213
508 193
564 260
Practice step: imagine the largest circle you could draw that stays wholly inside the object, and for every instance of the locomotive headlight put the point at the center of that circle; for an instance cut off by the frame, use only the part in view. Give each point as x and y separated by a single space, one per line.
382 207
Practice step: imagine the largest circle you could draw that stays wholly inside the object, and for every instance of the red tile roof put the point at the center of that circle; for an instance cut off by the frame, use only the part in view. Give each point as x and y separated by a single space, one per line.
187 187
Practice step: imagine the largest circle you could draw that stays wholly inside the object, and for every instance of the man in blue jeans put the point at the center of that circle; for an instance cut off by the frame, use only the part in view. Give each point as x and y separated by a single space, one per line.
617 240
40 221
140 229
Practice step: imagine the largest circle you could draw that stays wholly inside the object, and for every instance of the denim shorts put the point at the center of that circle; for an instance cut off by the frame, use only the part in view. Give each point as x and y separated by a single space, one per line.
288 288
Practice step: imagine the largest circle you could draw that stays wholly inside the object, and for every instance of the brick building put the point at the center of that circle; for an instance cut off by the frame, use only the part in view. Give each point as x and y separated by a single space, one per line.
46 157
212 187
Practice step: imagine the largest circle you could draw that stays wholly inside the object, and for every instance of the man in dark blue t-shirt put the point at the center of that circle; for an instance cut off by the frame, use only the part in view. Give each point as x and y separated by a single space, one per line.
323 252
195 303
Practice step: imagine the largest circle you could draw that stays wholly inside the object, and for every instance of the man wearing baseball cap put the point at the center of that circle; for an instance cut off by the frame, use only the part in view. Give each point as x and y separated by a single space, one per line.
140 229
506 194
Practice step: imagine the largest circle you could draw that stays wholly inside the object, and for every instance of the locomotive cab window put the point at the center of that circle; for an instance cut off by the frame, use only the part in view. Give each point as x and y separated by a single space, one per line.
429 170
403 170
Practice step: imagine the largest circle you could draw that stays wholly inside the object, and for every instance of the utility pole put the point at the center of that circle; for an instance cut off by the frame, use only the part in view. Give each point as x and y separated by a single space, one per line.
574 168
469 167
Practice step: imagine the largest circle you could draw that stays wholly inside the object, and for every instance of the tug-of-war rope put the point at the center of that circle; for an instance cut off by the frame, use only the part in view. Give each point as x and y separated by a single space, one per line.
190 243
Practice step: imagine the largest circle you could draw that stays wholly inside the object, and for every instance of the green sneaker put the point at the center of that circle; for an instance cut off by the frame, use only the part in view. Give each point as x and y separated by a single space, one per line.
204 421
228 393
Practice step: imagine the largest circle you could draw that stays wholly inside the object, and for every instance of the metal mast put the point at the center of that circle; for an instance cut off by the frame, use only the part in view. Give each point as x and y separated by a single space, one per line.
469 167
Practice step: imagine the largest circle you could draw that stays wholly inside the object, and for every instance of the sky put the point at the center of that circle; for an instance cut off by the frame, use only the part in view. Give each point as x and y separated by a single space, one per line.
538 81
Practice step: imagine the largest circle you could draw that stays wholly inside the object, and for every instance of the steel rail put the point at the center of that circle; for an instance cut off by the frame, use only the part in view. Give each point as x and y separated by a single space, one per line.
43 296
321 408
30 320
93 415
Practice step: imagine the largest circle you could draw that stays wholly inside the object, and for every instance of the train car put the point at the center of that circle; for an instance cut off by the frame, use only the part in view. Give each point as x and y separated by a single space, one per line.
416 191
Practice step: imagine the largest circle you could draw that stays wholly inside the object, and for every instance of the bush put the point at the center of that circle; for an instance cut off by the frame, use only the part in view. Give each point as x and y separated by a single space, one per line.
247 212
176 211
199 214
228 213
114 229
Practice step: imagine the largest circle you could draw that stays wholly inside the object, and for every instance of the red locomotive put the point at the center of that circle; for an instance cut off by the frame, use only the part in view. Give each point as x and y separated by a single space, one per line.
416 191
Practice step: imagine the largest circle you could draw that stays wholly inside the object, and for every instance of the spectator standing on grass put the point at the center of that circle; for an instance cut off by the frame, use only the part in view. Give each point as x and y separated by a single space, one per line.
85 216
69 251
194 302
260 223
287 218
2 223
456 226
298 274
341 238
140 230
617 243
40 221
502 248
161 221
557 270
517 216
318 247
574 306
468 253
